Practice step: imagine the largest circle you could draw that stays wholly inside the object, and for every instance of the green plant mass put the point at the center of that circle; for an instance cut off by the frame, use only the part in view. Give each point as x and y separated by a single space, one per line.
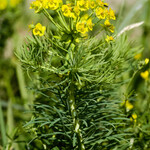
80 76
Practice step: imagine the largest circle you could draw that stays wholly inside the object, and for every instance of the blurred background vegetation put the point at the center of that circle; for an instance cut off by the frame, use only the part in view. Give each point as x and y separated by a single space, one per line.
16 98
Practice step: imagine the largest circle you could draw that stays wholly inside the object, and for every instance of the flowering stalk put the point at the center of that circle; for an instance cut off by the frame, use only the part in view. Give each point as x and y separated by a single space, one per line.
75 72
75 118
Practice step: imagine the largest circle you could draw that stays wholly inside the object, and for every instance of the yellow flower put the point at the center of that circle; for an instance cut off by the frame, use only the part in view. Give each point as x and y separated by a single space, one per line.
133 117
145 75
90 24
102 4
45 4
109 38
82 27
101 13
127 105
39 30
72 15
107 23
14 3
36 5
66 10
111 14
138 56
84 17
53 4
110 27
146 61
92 4
3 4
83 5
76 10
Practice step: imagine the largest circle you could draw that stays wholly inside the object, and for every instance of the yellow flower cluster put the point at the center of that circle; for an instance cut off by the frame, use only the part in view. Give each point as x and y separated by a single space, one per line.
38 29
109 25
5 3
39 5
84 25
69 11
80 13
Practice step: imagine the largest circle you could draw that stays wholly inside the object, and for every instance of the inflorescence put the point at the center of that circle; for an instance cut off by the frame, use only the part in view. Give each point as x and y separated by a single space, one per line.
82 15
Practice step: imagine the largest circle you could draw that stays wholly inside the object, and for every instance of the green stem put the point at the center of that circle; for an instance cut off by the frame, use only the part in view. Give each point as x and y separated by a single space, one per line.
21 82
76 124
57 45
97 47
52 20
10 117
2 127
62 19
72 24
147 95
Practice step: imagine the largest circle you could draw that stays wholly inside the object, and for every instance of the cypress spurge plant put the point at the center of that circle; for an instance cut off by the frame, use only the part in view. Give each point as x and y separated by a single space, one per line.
78 70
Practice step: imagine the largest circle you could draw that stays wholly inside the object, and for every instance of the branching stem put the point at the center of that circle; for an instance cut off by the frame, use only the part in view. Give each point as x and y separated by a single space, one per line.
76 123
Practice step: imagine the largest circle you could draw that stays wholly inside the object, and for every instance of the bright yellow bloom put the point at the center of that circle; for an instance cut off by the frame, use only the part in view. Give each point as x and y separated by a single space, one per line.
36 5
3 4
83 5
110 27
76 10
146 61
138 56
101 13
85 24
82 27
66 10
84 17
111 14
102 4
14 3
127 105
45 4
92 4
54 4
73 15
145 75
109 38
107 23
90 24
39 30
134 117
